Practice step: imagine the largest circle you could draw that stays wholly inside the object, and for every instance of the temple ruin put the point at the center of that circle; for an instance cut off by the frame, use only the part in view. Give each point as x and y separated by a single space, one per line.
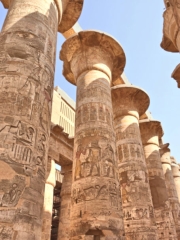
118 180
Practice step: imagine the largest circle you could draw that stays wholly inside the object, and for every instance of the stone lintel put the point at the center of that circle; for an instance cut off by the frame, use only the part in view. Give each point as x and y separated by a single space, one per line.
61 146
70 14
151 131
176 75
96 51
132 98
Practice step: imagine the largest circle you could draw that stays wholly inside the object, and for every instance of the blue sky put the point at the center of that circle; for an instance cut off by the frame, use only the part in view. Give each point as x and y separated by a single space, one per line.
137 25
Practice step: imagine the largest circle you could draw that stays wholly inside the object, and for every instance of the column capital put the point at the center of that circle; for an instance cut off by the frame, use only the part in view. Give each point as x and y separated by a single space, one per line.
165 153
176 75
151 131
92 50
71 12
129 100
68 10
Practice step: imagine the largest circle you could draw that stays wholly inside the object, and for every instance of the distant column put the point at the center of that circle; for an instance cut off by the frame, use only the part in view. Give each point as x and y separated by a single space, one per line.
176 176
64 218
48 200
129 103
92 61
170 184
151 132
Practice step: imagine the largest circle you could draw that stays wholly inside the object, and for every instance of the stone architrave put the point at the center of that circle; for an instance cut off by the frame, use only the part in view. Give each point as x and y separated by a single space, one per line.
130 102
170 184
64 218
176 175
151 132
93 61
48 200
27 63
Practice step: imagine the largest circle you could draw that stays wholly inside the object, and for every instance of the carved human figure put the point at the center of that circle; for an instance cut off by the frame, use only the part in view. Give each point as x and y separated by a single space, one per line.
92 61
129 103
151 132
27 64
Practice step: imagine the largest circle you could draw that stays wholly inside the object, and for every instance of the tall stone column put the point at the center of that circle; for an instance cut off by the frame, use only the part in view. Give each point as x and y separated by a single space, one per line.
151 132
170 184
27 62
64 218
176 176
129 103
93 61
48 200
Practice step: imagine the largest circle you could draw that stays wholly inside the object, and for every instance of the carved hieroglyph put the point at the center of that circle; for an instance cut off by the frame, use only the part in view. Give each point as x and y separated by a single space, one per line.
129 103
92 60
170 184
27 61
48 199
64 218
151 132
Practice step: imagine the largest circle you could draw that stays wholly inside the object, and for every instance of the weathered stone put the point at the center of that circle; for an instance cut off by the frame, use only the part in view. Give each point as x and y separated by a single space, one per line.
129 103
92 61
27 62
151 132
172 192
176 175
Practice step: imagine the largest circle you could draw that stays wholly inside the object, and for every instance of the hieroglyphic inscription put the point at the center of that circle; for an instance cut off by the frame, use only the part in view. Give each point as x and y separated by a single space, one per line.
93 112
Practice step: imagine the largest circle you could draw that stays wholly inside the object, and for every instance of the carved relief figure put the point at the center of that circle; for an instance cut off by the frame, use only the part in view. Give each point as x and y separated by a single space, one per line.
11 191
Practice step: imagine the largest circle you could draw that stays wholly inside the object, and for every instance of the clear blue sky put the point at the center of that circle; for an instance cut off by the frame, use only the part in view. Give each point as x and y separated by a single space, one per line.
137 25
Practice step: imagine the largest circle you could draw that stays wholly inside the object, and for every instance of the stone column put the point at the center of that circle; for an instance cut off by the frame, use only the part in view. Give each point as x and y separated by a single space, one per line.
176 175
27 62
129 103
48 200
64 218
93 61
170 184
151 132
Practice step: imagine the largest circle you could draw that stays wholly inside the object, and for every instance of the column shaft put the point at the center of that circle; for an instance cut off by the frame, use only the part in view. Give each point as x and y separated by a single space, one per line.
64 218
139 222
48 200
170 185
96 203
27 61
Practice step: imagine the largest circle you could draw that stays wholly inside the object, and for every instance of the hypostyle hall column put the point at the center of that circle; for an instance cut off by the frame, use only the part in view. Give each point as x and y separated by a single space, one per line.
129 103
151 132
176 176
170 184
92 61
64 218
27 62
48 200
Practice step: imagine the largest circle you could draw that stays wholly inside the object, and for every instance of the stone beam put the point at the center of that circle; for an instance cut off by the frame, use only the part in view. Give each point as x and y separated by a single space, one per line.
93 61
130 102
60 146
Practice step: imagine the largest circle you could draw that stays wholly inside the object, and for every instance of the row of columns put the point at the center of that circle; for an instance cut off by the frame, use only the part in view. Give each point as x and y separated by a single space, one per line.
113 147
27 63
110 159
